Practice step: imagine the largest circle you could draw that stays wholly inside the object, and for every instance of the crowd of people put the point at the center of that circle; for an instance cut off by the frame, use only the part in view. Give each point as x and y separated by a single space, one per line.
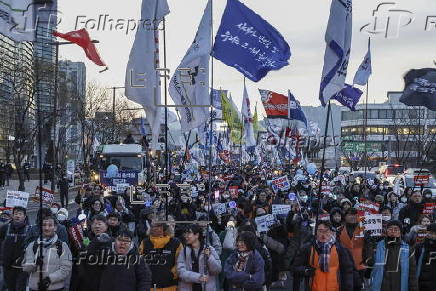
209 235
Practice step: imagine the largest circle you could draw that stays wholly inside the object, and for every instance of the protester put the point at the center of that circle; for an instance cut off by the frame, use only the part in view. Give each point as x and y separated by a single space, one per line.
393 263
198 264
426 261
55 261
244 268
325 263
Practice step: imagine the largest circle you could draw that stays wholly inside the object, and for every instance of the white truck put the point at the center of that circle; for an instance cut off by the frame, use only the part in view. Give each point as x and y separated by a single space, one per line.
122 165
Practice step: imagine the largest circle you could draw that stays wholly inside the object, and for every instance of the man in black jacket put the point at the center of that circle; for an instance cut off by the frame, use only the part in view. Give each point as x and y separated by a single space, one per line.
125 270
12 236
426 260
410 213
63 191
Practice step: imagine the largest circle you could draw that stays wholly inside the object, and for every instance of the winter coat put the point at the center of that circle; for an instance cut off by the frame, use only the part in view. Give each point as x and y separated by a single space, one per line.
251 279
12 237
425 265
127 273
56 267
187 277
214 241
412 211
346 264
89 271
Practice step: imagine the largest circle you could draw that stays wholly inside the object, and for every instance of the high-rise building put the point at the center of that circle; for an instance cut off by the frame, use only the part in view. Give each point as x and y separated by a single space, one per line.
71 102
16 83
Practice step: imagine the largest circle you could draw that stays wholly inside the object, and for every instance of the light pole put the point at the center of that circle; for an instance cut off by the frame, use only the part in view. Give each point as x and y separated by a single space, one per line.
10 138
114 90
55 101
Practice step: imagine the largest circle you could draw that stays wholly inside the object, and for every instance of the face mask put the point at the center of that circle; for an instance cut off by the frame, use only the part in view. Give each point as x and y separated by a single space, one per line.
54 210
225 196
61 217
304 199
386 217
428 196
404 199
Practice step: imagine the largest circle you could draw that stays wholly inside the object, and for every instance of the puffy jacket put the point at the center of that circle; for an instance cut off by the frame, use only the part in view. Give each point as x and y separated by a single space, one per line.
251 279
56 267
12 236
187 277
412 211
133 274
426 267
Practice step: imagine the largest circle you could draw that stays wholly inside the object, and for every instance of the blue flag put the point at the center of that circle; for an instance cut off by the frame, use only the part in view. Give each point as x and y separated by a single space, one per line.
295 111
248 43
348 96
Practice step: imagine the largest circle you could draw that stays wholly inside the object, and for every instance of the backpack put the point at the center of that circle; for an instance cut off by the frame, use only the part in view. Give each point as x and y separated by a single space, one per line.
58 248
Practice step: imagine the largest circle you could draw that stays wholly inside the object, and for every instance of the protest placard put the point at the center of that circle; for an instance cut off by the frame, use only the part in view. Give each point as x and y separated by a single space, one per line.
219 208
264 222
373 223
120 188
428 208
16 198
47 196
280 209
280 184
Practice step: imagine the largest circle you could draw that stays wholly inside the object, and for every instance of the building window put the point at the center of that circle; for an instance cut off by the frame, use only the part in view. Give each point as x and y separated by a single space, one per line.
382 114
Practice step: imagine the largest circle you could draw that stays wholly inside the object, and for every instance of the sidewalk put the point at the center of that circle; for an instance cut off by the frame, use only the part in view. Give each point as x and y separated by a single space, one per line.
30 187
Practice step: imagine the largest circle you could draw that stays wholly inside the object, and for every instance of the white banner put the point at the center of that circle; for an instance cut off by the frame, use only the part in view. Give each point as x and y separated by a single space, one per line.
280 209
264 222
373 223
16 198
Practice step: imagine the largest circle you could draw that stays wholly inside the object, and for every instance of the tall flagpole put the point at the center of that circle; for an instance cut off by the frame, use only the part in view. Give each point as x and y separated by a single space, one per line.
166 119
365 157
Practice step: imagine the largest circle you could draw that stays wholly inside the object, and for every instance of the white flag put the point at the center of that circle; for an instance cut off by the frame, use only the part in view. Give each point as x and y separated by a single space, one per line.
16 20
190 82
250 141
142 79
337 53
365 69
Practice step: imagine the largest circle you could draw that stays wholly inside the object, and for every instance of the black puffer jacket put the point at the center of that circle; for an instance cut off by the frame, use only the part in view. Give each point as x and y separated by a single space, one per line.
412 211
427 278
12 237
133 274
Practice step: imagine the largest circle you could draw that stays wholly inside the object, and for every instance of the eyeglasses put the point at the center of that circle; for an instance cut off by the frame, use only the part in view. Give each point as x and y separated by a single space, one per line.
393 229
125 241
323 230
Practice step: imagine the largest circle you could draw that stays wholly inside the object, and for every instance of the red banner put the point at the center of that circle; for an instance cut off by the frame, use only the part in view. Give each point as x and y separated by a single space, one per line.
276 105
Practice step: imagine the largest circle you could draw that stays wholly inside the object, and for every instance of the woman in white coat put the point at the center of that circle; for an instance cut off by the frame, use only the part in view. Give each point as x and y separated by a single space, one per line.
191 263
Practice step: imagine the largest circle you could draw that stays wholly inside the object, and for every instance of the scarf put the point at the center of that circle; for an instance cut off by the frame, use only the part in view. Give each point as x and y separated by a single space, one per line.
241 263
324 250
47 242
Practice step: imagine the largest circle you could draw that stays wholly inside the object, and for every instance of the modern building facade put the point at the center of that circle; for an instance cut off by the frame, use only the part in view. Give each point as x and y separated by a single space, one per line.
394 133
71 102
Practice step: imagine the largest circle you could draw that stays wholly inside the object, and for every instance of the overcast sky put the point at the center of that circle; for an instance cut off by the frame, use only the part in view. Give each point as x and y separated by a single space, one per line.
303 25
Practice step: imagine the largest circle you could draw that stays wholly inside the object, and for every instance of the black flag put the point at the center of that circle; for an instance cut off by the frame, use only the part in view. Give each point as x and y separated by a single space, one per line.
420 88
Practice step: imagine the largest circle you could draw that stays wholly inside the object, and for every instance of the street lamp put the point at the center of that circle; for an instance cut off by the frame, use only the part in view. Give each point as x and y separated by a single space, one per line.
55 101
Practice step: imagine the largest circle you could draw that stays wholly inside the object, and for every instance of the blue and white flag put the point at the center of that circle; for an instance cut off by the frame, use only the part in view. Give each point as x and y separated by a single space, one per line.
217 112
142 128
295 111
337 53
348 96
189 85
365 69
248 43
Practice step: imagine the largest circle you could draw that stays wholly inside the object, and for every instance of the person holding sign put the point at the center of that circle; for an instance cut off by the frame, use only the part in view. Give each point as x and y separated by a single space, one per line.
393 262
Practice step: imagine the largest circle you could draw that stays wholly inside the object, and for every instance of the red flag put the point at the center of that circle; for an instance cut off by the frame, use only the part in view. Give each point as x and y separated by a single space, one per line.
276 105
81 38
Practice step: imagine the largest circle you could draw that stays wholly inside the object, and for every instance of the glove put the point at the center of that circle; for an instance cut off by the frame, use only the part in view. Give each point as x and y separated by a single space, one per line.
309 271
44 284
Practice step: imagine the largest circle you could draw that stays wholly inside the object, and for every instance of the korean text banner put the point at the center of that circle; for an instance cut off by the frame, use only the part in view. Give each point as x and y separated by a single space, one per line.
248 43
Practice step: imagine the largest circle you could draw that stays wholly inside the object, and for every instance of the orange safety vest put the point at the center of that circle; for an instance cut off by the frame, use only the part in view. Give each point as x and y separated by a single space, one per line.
354 245
325 281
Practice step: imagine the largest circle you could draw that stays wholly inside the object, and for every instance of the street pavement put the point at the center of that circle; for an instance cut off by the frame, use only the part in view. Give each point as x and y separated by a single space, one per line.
33 206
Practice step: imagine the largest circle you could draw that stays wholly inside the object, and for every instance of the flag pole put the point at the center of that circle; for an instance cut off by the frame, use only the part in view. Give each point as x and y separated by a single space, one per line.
242 130
365 161
206 269
166 118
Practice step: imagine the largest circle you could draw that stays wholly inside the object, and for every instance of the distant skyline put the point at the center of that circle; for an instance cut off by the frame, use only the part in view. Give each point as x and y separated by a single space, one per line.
303 25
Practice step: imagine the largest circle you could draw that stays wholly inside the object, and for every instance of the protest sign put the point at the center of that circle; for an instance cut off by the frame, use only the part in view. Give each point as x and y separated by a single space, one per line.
264 222
280 184
365 207
17 198
420 235
47 196
120 188
373 223
219 208
280 209
429 208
